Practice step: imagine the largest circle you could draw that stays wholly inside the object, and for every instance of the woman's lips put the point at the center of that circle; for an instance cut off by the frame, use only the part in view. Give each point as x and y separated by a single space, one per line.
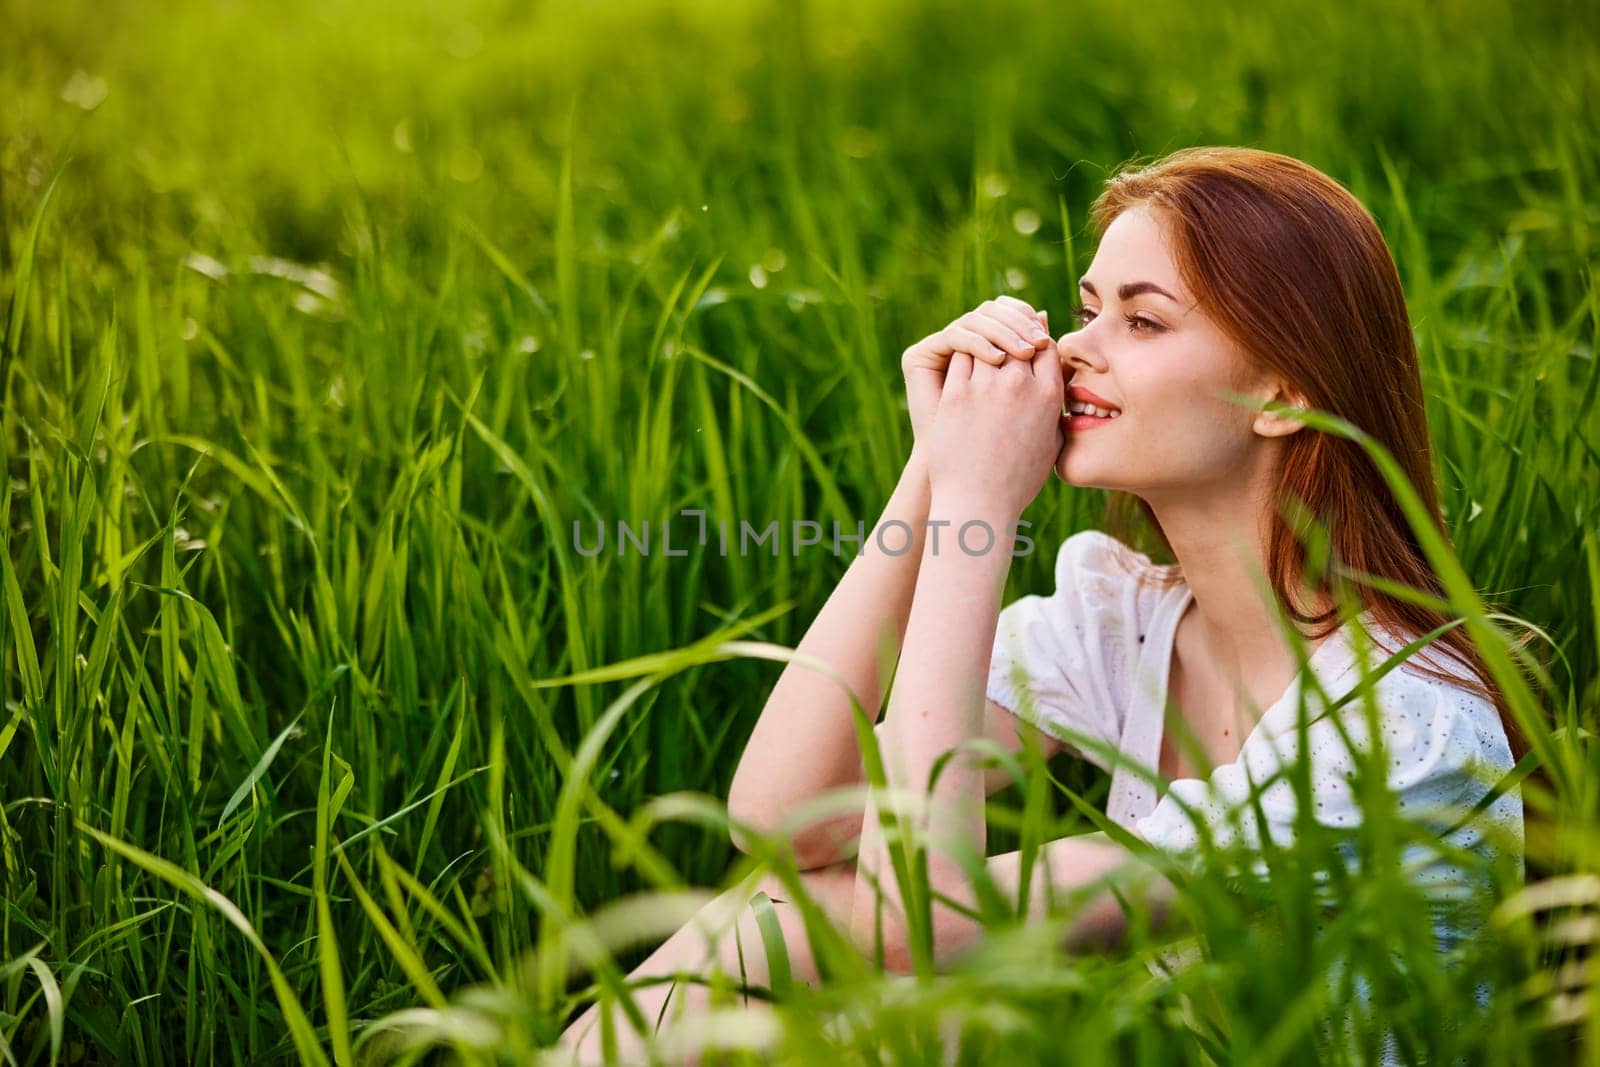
1081 394
1079 423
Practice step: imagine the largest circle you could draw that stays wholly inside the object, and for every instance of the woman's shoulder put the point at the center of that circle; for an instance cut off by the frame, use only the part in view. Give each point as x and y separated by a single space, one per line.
1107 593
1443 740
1458 697
1429 700
1095 553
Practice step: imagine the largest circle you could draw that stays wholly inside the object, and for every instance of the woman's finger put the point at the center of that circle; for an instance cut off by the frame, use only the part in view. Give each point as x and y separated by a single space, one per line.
982 372
1021 317
997 332
1026 328
1015 302
1022 366
1052 377
975 344
960 367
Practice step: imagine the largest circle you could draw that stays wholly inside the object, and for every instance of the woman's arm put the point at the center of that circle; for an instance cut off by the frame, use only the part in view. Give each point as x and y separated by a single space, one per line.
805 743
937 704
993 444
1107 881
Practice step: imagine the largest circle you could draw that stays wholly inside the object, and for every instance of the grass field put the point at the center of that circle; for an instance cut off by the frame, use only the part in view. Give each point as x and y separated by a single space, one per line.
324 322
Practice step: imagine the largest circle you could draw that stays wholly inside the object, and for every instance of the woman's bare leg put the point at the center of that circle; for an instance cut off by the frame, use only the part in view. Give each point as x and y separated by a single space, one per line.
691 950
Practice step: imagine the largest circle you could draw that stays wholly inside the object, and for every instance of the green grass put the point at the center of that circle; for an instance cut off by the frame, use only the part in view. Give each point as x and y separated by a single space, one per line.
325 321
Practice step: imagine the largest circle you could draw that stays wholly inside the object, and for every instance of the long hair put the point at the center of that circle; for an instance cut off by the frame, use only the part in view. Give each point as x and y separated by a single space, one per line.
1293 268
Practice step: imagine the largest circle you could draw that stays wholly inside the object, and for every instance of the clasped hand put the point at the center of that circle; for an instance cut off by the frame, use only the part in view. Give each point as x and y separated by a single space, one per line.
996 432
1001 435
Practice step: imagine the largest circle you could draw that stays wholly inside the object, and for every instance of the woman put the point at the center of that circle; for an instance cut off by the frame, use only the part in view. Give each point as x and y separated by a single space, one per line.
1219 270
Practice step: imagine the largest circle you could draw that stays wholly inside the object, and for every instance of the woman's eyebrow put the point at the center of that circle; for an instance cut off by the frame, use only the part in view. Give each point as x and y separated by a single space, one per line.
1132 289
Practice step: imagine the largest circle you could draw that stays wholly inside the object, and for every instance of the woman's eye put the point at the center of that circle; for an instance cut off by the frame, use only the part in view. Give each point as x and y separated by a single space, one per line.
1136 323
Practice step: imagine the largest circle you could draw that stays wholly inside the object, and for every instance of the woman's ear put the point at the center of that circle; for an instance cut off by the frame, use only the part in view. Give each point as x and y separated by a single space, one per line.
1271 424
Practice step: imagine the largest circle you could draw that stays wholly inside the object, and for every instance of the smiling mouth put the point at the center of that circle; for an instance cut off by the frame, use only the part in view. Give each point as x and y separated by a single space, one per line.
1079 407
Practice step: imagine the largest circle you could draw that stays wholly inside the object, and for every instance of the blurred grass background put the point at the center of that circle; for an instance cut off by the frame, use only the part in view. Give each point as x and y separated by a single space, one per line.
325 322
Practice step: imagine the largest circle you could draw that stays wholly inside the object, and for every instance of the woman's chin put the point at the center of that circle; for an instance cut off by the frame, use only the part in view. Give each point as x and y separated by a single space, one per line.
1074 476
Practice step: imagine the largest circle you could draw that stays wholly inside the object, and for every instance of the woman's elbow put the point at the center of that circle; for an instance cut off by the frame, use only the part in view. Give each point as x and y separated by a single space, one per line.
750 811
1106 922
816 845
746 822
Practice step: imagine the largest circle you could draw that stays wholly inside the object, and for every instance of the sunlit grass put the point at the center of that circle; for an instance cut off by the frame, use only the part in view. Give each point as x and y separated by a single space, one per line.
325 323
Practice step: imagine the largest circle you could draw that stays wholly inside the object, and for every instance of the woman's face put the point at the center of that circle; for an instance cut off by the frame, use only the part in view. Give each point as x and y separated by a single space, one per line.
1145 349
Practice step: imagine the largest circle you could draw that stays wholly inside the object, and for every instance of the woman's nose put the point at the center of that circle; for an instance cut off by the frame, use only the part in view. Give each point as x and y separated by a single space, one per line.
1078 351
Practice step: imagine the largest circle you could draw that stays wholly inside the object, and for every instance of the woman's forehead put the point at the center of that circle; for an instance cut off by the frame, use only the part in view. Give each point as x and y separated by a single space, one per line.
1135 248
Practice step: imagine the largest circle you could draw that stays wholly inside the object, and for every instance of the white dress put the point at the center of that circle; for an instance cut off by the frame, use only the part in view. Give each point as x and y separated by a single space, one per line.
1088 664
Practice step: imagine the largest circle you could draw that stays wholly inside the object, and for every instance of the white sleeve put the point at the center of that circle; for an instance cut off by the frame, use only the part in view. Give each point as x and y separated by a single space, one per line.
1063 662
1446 749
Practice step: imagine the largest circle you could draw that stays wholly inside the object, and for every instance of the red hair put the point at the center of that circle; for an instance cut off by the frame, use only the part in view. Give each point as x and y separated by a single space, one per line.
1291 266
